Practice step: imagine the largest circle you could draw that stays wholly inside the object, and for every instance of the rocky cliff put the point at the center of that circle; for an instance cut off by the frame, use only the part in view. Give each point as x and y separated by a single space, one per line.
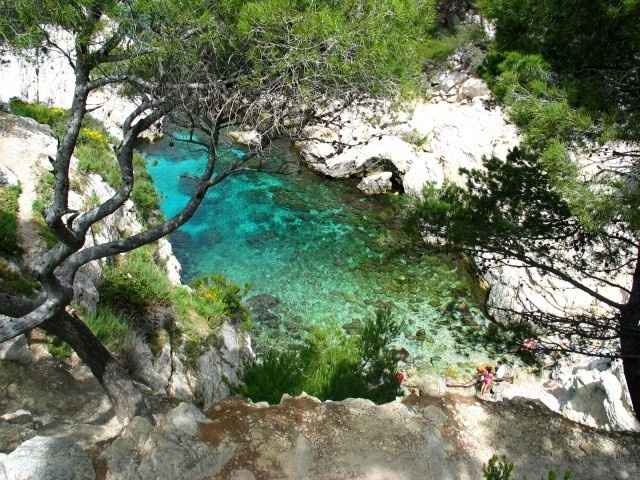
67 432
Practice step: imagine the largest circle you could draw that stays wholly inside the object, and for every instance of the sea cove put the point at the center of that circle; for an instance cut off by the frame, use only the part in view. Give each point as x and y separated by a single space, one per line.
325 251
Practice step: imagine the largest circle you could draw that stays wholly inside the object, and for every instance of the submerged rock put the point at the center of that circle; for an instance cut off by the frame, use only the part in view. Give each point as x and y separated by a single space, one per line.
261 308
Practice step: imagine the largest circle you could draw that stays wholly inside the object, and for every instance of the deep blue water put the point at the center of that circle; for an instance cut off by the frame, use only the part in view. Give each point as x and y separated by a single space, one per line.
326 251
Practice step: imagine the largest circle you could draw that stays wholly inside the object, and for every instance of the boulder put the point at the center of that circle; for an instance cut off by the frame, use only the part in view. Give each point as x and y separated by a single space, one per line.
472 88
430 385
47 458
594 392
376 183
422 173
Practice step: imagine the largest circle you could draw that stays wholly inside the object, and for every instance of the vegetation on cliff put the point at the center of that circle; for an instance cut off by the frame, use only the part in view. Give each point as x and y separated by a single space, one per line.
571 218
204 68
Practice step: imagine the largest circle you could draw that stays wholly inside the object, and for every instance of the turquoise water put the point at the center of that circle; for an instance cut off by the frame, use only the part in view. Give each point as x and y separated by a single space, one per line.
327 252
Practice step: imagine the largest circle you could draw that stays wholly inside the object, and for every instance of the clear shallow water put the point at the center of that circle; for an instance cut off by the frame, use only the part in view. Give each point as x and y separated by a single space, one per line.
327 252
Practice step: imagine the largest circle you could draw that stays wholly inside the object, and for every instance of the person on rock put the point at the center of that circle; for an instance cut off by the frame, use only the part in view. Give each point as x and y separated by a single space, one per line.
487 381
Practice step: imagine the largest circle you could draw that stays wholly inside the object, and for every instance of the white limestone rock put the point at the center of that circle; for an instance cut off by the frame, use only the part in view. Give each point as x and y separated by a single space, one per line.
452 136
221 366
428 171
171 264
376 183
474 87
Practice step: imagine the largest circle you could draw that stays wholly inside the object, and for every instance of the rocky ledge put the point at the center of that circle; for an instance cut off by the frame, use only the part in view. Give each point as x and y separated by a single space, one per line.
420 437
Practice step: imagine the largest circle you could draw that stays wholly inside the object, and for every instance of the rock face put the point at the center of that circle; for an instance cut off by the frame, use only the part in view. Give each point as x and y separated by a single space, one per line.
44 458
428 143
48 78
16 349
7 177
249 138
44 399
586 390
206 375
417 439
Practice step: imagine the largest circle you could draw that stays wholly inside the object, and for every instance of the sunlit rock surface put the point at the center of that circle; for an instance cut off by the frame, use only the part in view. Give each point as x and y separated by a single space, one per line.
419 438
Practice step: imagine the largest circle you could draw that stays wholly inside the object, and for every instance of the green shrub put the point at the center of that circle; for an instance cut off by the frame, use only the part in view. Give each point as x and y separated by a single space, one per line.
277 373
135 282
95 154
330 365
499 468
52 116
109 326
98 159
44 197
13 282
9 221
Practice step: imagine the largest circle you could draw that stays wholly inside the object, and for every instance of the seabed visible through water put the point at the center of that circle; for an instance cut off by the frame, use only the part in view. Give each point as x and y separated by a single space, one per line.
327 252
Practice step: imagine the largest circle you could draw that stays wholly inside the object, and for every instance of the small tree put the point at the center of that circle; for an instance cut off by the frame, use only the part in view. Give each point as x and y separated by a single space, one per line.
274 66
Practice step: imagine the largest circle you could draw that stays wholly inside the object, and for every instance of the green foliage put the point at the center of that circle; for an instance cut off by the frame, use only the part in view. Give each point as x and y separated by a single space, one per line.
55 117
108 325
330 365
44 197
498 468
215 296
95 155
9 221
538 105
135 282
589 67
277 373
14 282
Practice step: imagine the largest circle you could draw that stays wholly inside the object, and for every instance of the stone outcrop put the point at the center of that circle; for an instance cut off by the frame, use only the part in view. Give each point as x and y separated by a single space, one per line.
417 438
590 391
46 398
249 138
427 143
206 371
45 458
